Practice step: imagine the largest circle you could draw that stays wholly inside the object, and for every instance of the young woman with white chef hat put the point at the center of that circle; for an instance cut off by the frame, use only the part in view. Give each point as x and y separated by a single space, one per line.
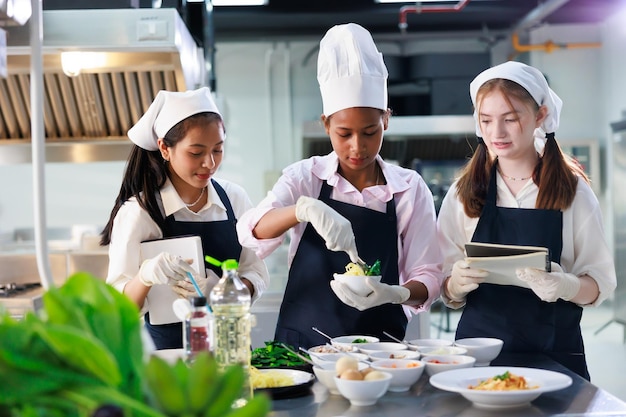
349 204
514 192
169 190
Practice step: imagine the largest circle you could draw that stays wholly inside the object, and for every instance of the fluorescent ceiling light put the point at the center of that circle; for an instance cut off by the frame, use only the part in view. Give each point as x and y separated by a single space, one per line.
233 2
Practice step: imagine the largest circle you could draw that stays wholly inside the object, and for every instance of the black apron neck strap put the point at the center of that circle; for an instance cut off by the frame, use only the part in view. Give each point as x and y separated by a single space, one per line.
492 191
225 200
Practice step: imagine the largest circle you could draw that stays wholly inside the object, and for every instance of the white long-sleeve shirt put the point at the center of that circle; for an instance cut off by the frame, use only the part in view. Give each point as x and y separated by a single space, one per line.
419 258
133 225
584 245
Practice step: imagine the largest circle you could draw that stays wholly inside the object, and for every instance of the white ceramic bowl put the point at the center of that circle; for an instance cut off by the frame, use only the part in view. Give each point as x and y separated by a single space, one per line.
420 344
443 350
348 341
357 283
325 349
331 358
326 374
484 349
404 372
439 363
368 348
396 354
361 393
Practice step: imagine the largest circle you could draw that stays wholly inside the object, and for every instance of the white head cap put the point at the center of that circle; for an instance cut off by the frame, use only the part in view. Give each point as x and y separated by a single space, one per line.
350 70
167 109
532 80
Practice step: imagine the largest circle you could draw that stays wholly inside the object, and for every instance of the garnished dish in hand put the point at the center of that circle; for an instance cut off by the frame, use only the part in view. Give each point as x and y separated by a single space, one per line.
355 277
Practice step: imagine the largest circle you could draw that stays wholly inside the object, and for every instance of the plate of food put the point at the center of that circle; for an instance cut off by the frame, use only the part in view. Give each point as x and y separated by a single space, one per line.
497 387
281 383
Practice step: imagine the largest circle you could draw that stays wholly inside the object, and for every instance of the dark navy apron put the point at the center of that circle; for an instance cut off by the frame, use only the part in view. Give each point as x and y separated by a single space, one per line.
309 301
219 240
515 314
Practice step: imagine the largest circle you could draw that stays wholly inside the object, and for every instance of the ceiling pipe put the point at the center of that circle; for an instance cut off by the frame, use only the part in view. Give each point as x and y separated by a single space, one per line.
419 8
549 46
536 15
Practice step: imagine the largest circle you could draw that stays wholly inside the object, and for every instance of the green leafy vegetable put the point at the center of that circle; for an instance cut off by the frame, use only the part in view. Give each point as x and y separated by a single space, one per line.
273 355
359 340
503 377
374 269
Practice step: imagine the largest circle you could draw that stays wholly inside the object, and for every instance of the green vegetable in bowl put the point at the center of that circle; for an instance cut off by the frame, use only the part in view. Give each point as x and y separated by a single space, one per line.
359 340
273 355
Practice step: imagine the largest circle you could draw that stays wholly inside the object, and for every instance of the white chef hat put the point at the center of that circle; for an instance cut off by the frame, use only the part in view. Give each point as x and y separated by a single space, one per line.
532 80
350 70
167 109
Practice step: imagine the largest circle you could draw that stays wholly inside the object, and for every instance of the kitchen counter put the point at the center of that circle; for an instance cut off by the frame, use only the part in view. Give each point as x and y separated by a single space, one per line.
579 399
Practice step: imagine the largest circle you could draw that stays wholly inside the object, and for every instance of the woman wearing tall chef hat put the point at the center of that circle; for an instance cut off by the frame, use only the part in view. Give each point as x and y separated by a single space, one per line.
169 190
520 189
349 204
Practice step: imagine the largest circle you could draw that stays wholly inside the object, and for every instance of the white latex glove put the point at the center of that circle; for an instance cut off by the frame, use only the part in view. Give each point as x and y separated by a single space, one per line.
550 286
185 289
381 294
463 280
163 269
335 229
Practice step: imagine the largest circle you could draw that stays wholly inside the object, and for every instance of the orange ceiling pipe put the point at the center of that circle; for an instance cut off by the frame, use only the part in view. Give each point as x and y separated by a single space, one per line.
419 8
549 46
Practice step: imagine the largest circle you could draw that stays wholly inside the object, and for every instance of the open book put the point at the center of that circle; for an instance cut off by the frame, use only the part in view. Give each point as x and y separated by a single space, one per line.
502 260
161 297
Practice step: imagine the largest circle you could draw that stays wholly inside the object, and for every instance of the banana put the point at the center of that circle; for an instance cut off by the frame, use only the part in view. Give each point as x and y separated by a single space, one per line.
201 382
164 388
229 388
258 406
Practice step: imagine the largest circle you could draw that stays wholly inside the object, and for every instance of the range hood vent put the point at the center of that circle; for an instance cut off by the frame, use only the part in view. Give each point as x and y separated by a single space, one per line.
141 52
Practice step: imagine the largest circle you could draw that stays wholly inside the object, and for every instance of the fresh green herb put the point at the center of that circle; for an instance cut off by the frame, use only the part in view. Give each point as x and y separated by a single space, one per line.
273 355
359 340
503 377
374 269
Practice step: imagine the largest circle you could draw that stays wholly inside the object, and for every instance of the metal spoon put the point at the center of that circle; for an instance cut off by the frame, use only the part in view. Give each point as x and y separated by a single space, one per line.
304 358
333 348
322 333
404 342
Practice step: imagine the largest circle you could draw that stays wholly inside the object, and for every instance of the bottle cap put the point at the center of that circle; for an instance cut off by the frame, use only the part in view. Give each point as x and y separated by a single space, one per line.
198 301
230 264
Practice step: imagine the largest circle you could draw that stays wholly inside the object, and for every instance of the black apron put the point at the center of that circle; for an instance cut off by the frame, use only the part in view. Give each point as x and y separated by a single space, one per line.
515 314
219 240
309 301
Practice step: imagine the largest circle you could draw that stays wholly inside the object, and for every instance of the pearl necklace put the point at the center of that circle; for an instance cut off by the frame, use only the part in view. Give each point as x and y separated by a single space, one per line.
197 201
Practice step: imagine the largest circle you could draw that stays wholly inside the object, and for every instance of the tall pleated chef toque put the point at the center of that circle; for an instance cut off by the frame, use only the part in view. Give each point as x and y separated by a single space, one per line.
167 109
532 80
350 70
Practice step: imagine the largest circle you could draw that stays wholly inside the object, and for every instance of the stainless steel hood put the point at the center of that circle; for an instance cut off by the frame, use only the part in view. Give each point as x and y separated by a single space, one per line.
141 51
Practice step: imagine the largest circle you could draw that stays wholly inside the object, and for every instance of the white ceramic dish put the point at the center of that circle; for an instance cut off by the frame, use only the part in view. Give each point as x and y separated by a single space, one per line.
357 283
484 349
326 374
459 380
325 349
404 372
349 340
443 350
369 348
302 382
441 363
325 358
420 344
363 393
396 354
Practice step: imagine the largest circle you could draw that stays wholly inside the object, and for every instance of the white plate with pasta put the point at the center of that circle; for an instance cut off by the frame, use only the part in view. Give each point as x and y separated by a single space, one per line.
496 387
282 383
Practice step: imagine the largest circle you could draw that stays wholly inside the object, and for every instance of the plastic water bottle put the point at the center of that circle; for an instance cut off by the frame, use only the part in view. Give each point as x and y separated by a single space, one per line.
197 328
230 301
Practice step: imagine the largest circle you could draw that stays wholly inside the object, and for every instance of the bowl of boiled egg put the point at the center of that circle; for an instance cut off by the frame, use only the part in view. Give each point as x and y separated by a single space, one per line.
360 387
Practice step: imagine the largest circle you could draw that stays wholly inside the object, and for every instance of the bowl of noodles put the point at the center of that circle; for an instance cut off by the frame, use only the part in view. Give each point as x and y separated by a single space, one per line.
355 278
499 387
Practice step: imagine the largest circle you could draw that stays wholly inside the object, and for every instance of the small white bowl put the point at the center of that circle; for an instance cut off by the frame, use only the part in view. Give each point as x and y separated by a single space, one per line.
443 350
325 349
404 372
325 358
420 344
326 374
439 363
349 340
357 283
368 348
396 354
363 393
484 349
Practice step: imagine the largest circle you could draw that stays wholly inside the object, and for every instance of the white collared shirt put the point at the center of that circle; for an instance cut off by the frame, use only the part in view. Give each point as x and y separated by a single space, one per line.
133 225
